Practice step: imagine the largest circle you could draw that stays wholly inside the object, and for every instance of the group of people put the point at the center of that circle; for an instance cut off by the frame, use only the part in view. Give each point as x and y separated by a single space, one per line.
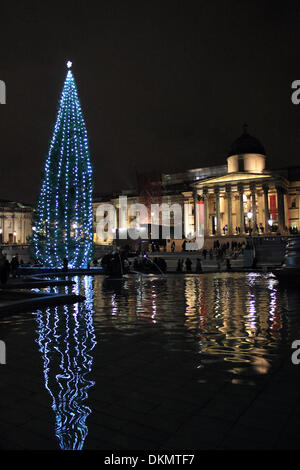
8 268
188 265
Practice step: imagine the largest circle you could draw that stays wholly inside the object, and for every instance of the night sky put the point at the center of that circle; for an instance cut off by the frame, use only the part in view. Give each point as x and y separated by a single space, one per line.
163 85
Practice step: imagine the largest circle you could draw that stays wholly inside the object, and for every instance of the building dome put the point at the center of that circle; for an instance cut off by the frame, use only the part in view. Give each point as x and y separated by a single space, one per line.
246 143
246 154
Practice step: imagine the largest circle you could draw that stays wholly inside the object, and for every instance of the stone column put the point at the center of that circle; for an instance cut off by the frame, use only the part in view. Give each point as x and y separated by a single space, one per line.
218 215
267 213
196 218
241 193
253 206
229 208
2 228
185 218
280 203
206 212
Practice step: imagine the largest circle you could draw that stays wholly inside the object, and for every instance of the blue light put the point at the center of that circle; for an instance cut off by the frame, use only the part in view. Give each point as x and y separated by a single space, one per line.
66 339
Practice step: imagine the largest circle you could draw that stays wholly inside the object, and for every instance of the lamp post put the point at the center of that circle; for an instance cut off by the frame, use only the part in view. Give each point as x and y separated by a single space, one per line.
249 215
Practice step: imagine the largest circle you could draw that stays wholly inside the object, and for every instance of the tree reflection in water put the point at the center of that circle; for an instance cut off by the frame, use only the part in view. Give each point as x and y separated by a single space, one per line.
66 338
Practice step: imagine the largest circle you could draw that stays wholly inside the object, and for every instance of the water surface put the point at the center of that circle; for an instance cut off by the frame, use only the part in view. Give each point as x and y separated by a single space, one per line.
140 345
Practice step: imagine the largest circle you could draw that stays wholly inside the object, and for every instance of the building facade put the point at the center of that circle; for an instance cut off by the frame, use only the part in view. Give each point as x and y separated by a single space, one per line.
15 223
241 198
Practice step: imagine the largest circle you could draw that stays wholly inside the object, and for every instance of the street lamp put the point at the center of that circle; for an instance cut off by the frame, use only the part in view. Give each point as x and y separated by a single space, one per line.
249 215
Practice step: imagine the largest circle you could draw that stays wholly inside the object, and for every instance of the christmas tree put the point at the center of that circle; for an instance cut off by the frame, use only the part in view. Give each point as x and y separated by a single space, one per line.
64 215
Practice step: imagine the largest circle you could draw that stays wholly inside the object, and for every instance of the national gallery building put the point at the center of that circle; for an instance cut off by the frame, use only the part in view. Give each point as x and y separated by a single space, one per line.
240 198
244 197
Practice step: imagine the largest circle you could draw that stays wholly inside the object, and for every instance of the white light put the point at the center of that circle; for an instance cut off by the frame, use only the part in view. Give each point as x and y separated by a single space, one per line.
270 222
69 64
249 215
34 229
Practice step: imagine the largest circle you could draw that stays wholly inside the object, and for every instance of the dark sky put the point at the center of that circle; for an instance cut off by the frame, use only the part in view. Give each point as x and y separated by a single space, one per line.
163 85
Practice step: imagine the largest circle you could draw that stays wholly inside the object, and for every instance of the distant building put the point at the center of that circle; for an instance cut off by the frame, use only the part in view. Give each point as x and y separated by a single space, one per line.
240 198
15 222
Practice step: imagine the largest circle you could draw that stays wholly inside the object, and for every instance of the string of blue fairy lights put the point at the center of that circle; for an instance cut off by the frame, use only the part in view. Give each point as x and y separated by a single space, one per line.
64 214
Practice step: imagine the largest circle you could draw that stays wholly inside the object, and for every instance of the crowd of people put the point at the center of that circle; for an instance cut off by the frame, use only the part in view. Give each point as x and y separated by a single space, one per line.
7 268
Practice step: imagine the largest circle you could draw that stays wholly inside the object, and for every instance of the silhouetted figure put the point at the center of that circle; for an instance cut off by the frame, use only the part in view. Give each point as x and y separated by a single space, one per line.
4 269
65 264
173 247
188 265
179 266
228 264
198 266
14 266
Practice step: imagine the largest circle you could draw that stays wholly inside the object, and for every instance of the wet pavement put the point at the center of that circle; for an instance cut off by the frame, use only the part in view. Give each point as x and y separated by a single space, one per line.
181 362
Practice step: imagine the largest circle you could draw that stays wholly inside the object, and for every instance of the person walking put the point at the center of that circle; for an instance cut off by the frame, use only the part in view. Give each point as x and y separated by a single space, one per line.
4 269
65 264
179 266
198 266
228 264
188 265
14 264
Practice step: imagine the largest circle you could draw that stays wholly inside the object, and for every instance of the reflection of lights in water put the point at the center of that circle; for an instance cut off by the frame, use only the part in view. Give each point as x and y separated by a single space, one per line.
252 278
251 326
272 308
114 305
217 297
153 296
260 364
66 338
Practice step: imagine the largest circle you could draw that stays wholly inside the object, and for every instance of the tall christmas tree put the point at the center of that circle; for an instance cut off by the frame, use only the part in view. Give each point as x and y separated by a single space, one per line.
64 214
